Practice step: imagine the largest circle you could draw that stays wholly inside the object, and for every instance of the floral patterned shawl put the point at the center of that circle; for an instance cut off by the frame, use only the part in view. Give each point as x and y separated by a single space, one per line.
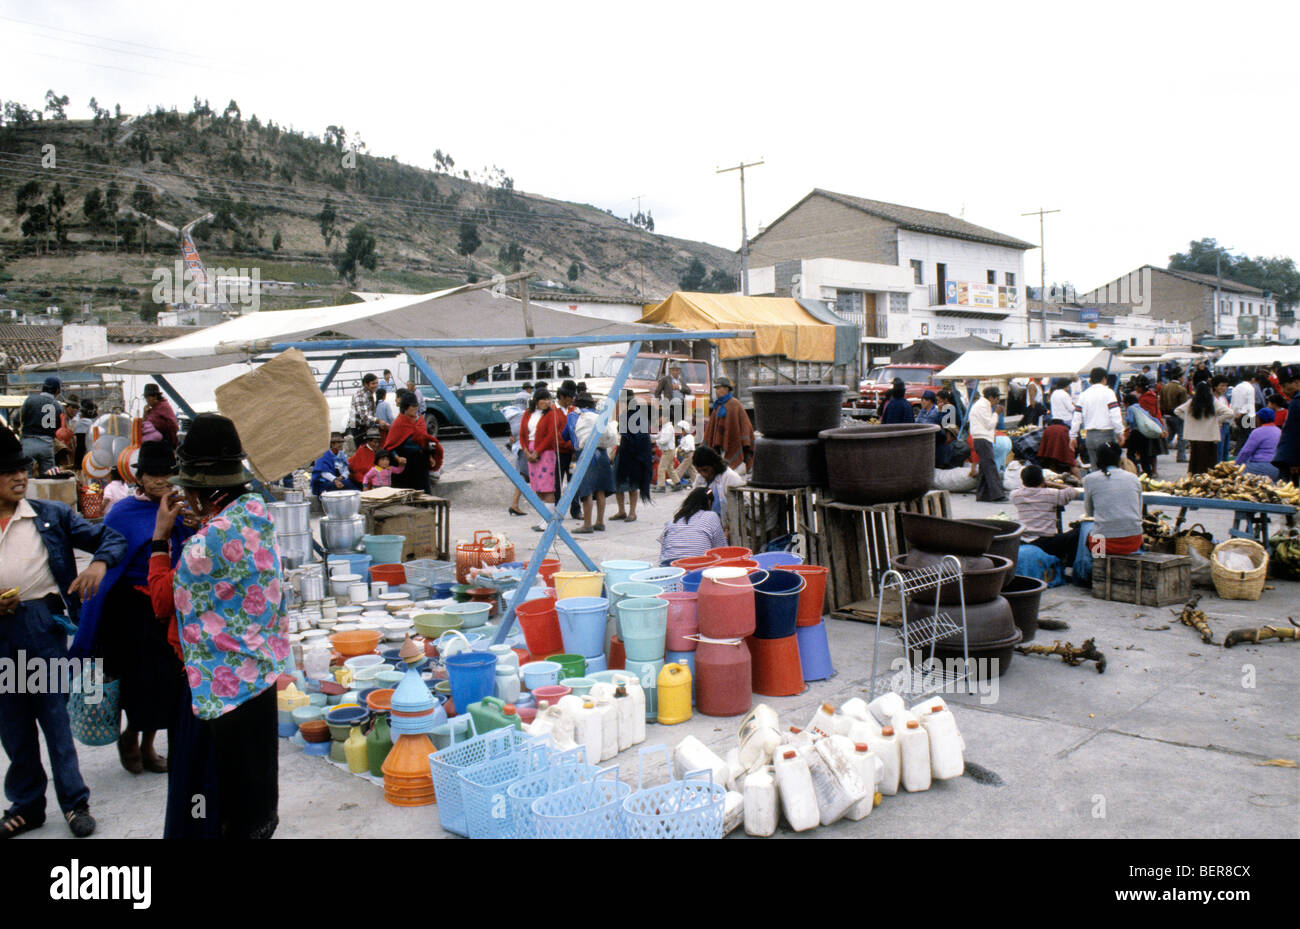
233 629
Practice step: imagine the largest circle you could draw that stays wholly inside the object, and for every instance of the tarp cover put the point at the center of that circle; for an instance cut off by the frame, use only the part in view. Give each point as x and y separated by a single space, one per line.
459 313
781 326
940 351
1028 362
1259 356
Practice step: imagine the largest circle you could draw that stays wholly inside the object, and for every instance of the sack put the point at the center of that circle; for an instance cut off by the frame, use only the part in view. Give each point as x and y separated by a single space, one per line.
1147 424
98 723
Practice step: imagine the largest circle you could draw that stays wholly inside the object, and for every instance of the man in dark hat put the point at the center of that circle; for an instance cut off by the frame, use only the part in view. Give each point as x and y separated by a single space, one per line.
40 418
330 472
729 428
363 459
160 416
38 581
672 387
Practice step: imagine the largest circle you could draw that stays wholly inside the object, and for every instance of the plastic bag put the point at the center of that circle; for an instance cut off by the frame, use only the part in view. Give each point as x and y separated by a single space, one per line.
1201 575
1235 561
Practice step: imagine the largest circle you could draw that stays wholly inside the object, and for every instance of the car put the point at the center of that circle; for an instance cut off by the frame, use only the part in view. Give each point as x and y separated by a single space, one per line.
874 390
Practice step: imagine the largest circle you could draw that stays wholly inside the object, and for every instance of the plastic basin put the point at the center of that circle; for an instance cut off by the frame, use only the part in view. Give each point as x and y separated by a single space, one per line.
472 615
384 549
541 674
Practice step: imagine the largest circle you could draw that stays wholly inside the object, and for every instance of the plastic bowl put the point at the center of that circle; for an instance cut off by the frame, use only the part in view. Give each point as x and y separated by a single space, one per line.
363 661
315 730
355 642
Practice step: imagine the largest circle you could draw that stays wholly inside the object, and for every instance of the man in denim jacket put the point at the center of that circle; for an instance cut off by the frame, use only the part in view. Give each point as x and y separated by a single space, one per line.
38 581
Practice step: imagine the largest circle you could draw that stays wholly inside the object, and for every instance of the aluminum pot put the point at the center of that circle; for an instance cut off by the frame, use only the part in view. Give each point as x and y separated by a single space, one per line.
293 496
342 533
290 517
313 587
341 504
295 545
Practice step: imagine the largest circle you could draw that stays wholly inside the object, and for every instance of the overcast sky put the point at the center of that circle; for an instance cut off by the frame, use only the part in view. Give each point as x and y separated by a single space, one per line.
1147 124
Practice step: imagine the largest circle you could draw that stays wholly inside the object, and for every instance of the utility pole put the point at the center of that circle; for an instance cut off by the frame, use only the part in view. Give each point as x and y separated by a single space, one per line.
1218 280
744 234
1042 269
640 260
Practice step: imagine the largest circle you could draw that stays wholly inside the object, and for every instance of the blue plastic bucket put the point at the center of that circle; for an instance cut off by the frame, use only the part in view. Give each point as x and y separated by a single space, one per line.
769 560
814 652
687 658
596 663
582 624
630 589
384 549
616 572
643 625
691 580
359 563
540 674
472 676
776 604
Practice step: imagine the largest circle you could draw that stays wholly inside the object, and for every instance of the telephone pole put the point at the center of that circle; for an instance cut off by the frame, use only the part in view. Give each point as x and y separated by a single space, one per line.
744 235
640 260
1042 269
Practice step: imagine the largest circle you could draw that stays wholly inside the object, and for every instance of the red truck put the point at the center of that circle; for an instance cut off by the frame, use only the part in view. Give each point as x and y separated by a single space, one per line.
874 391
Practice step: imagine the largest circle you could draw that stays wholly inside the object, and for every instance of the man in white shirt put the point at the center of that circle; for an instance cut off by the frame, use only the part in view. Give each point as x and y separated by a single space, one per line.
1062 403
686 448
1097 413
983 430
1243 410
666 442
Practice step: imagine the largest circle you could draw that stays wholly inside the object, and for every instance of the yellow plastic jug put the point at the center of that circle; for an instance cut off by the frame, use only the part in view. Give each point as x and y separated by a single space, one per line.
354 750
674 693
290 699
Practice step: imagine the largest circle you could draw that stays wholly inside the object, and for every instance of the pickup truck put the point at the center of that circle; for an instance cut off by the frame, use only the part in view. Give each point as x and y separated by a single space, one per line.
647 369
873 392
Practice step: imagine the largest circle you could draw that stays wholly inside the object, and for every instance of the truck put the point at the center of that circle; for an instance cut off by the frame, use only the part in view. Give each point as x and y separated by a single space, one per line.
874 390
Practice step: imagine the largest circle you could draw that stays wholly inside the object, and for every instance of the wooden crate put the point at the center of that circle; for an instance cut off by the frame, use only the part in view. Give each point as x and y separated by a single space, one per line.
856 543
757 515
1144 578
424 520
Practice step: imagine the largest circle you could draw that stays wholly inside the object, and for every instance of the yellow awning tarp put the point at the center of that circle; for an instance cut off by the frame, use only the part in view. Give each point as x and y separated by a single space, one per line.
781 326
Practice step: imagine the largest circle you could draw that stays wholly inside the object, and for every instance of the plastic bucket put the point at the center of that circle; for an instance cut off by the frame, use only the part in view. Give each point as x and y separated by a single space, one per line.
391 574
629 589
582 624
540 625
777 670
547 570
730 551
647 673
574 584
726 603
644 622
814 652
581 686
814 594
667 579
385 549
769 560
691 580
358 563
596 663
570 665
776 604
695 561
472 676
616 572
472 615
749 564
541 674
683 620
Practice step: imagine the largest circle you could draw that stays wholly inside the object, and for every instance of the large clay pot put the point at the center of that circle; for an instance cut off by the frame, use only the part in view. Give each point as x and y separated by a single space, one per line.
786 463
979 586
948 536
1025 594
796 411
880 464
991 633
1007 541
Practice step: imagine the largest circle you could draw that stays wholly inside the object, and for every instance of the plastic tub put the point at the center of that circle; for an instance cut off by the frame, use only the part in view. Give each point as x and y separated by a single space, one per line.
582 623
472 614
541 674
547 570
616 572
813 596
730 551
570 665
389 573
683 620
695 561
579 584
358 563
385 549
551 693
595 663
769 560
540 625
630 589
776 604
814 652
472 676
580 686
777 669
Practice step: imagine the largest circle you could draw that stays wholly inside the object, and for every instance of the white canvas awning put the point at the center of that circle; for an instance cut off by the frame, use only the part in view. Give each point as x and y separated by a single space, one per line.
1027 362
467 312
1259 356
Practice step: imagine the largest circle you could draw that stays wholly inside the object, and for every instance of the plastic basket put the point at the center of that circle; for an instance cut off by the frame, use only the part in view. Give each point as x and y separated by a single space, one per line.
669 579
691 808
430 572
565 769
483 789
447 764
589 810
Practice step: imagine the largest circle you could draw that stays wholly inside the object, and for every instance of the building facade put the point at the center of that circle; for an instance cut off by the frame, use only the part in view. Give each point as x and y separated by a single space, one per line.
1189 297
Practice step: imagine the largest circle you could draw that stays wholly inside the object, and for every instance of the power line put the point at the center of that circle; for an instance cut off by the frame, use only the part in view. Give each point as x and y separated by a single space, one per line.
90 64
133 53
91 35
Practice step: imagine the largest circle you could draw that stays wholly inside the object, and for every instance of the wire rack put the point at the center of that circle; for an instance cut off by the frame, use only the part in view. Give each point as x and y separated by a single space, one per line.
922 674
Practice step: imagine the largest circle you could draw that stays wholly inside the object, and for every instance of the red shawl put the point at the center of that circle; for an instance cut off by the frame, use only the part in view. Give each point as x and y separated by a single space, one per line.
404 428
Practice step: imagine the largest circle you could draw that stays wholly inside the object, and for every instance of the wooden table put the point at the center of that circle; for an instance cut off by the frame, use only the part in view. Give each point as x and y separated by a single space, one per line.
1249 519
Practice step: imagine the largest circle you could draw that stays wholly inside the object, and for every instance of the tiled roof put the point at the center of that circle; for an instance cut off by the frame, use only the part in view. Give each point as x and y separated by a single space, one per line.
1210 280
38 344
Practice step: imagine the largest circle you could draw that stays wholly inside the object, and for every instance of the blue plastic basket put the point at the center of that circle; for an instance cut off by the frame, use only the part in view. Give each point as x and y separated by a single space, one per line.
447 764
565 769
483 789
691 808
589 810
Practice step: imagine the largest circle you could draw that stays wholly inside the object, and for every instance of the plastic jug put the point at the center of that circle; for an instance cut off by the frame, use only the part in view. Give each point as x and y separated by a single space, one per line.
891 761
885 706
835 778
855 708
945 745
733 812
822 723
492 713
554 722
635 693
608 728
760 737
868 768
735 773
864 730
761 802
354 749
587 728
795 784
505 656
926 707
625 708
674 694
796 737
693 755
507 682
900 720
379 742
914 747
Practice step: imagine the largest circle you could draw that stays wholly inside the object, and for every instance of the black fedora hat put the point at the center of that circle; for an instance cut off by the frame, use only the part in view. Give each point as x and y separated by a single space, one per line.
211 455
156 458
11 453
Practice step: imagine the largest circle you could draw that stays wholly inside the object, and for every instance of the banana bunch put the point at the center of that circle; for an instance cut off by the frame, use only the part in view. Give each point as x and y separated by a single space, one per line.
1156 527
1020 430
1227 481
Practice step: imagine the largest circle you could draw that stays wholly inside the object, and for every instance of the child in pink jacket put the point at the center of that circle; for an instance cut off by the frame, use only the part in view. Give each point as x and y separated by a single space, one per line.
381 475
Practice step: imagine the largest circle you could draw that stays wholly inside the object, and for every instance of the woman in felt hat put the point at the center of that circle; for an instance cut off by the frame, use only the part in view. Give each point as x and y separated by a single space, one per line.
231 633
120 626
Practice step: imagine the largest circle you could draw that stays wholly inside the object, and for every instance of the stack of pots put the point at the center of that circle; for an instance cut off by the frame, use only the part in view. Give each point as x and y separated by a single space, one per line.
643 625
810 626
1023 593
723 668
991 630
342 526
788 451
774 646
292 531
582 628
408 779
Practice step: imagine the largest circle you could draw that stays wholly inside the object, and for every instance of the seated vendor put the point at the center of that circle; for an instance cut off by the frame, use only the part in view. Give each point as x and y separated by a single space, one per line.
1036 505
1054 451
1113 497
1257 452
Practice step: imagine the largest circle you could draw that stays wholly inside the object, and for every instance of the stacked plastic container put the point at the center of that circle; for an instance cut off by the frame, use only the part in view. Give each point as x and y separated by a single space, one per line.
644 623
774 646
814 650
414 713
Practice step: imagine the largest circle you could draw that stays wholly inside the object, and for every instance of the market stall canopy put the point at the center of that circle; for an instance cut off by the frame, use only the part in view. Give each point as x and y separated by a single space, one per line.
781 326
466 312
941 351
1027 362
1259 356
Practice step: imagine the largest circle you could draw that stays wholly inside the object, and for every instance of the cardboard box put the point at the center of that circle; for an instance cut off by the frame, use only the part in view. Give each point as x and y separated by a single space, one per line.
418 525
61 490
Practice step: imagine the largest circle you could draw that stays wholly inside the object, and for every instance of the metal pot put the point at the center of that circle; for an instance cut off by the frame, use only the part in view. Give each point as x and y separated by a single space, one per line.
290 517
342 533
293 496
313 587
341 504
295 545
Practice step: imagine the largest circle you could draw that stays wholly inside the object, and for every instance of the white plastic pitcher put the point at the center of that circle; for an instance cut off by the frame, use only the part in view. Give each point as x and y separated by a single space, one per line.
945 745
914 747
761 802
891 760
795 785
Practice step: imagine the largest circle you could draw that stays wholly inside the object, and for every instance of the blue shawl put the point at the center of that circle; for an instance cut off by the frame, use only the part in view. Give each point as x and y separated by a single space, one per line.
720 405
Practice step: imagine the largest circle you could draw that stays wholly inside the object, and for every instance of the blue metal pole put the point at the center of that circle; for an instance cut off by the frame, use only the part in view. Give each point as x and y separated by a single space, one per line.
329 377
175 395
405 344
587 455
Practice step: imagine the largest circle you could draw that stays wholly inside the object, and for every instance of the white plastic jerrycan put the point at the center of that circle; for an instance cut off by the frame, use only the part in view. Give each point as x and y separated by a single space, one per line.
914 747
795 785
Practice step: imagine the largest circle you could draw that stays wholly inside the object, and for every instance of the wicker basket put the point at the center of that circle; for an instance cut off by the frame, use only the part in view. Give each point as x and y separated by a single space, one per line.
1195 537
1240 585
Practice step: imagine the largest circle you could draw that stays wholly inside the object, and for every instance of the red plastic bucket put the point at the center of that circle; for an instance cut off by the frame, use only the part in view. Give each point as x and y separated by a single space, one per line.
726 604
723 677
393 574
730 551
813 595
547 570
695 562
683 620
541 626
777 671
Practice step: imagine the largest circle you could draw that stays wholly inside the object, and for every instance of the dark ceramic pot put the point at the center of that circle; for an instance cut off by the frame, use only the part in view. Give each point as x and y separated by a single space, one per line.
786 463
947 536
796 411
985 655
1007 541
880 464
978 586
985 622
1025 594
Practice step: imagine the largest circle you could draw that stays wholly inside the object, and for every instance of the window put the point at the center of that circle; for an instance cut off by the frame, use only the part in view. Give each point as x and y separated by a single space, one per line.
501 372
992 277
918 272
1010 278
524 371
